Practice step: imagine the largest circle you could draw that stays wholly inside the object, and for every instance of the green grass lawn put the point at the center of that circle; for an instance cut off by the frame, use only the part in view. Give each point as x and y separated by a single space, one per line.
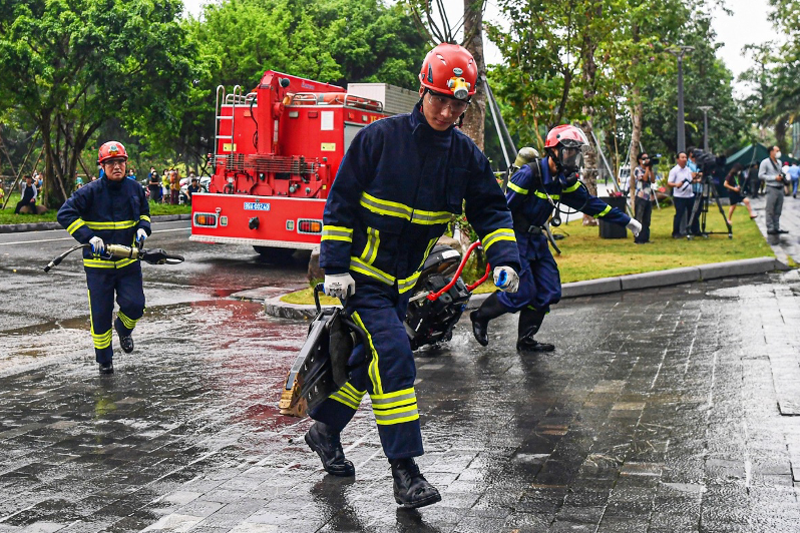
7 215
584 255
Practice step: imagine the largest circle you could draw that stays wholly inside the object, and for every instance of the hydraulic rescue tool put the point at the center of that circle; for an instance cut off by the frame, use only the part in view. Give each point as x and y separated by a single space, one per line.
322 367
156 256
440 296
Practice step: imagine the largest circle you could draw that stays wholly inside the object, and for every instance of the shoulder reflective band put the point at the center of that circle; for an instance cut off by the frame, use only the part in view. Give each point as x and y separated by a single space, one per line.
503 234
516 188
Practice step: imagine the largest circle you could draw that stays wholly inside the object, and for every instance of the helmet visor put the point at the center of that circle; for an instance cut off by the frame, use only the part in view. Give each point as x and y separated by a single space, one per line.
571 156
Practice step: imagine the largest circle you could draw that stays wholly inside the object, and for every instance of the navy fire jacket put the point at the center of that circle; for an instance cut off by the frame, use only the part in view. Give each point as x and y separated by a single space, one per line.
397 188
110 210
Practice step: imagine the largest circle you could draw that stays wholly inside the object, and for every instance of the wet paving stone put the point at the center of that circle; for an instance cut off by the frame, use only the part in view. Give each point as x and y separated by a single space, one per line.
662 410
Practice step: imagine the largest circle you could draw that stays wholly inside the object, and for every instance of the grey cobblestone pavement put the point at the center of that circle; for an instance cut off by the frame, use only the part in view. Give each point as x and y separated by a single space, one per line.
666 410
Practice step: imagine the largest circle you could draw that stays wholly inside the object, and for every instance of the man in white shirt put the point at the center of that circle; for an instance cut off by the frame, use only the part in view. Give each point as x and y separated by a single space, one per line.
680 179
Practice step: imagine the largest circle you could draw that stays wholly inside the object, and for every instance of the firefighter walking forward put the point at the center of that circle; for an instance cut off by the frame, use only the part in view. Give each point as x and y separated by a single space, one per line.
110 210
533 193
399 184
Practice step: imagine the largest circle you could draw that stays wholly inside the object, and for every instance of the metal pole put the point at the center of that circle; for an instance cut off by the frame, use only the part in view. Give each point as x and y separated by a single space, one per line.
705 109
679 53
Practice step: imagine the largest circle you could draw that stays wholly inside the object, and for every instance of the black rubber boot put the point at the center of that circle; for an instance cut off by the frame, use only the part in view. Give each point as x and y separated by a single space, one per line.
126 341
326 443
106 368
530 321
491 308
411 490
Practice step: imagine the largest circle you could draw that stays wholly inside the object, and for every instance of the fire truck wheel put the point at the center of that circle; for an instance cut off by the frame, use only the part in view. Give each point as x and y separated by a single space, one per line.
272 254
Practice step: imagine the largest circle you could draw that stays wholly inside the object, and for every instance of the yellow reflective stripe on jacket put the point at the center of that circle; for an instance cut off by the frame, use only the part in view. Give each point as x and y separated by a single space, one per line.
372 370
573 187
385 207
604 212
121 224
543 196
371 249
516 188
406 212
502 234
102 263
337 233
405 285
395 407
72 228
144 217
357 265
430 218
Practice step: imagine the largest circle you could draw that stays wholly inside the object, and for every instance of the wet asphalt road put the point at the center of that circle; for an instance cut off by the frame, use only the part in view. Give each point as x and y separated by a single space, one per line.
664 411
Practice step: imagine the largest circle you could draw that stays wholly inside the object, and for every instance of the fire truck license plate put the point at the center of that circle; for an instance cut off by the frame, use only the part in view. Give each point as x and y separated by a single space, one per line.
255 206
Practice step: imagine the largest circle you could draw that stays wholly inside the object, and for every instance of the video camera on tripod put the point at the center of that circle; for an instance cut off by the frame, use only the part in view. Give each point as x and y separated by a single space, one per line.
705 188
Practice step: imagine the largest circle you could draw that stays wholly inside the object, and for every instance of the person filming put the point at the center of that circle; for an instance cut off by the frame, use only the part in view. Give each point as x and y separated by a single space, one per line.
681 179
643 200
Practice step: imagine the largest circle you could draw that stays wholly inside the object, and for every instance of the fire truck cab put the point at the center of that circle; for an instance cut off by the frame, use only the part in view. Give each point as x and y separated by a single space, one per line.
276 152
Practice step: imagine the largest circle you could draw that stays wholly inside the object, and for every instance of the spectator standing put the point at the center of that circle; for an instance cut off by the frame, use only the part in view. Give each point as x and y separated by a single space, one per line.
131 174
735 193
154 185
28 196
680 179
794 176
174 187
165 187
193 188
643 201
769 172
753 183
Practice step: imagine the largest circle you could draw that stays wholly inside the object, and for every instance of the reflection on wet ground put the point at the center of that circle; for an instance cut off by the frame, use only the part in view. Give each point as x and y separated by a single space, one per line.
663 410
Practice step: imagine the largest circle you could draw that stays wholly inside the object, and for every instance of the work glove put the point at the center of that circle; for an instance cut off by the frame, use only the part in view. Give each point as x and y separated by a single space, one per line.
635 226
506 278
98 246
340 285
141 235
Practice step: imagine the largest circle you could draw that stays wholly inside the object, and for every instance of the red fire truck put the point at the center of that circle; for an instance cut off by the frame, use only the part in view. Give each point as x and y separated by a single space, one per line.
277 150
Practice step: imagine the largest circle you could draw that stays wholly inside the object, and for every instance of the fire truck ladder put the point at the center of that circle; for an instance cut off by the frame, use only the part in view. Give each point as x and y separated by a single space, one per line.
234 99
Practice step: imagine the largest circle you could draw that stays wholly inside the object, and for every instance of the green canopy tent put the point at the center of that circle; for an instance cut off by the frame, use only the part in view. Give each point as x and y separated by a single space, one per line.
753 153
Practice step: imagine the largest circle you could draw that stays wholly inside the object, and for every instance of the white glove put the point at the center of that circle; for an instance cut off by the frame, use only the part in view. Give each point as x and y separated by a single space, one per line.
635 226
340 285
141 235
506 278
98 246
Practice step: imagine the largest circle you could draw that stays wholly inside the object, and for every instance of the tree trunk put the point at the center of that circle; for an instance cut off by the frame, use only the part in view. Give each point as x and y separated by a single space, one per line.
475 117
637 110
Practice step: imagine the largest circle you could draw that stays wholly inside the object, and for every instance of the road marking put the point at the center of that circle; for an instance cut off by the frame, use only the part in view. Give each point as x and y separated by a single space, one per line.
70 238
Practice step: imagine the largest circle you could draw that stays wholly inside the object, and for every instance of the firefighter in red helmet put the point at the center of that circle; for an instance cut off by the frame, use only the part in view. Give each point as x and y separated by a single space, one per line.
399 184
110 210
534 192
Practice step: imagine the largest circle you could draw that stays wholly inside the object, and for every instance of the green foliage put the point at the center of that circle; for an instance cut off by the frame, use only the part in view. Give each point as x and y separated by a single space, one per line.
67 66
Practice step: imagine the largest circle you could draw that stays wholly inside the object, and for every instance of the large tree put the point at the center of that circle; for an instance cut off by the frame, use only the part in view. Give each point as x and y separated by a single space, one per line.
67 66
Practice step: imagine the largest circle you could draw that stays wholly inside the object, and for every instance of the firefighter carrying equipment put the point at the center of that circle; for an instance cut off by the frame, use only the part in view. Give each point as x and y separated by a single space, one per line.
321 368
398 187
529 196
411 489
328 445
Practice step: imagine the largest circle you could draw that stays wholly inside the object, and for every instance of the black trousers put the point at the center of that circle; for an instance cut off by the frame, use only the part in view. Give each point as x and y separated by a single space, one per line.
643 210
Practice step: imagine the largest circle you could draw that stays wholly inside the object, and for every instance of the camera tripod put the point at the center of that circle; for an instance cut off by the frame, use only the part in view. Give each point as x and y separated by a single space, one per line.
701 202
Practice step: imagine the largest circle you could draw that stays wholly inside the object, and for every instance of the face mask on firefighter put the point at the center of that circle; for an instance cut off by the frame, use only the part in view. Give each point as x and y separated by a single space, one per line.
570 160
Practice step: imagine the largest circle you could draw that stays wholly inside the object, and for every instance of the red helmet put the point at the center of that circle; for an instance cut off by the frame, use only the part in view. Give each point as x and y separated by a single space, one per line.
450 69
566 135
111 150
